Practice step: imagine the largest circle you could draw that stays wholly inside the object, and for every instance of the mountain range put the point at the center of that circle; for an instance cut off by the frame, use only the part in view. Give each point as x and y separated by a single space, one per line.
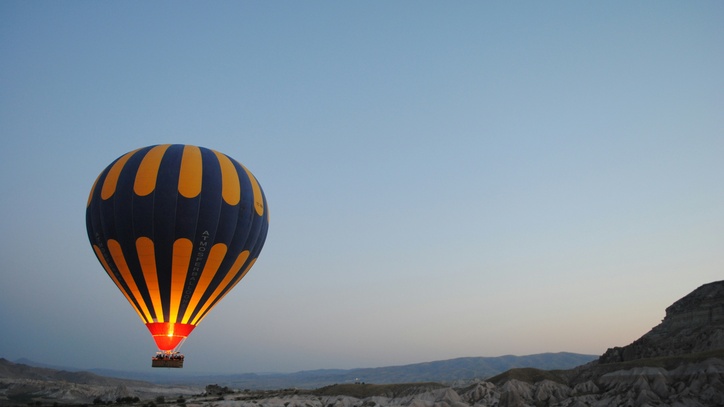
443 371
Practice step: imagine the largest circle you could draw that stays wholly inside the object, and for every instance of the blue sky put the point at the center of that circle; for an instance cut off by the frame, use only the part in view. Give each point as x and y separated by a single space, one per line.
445 179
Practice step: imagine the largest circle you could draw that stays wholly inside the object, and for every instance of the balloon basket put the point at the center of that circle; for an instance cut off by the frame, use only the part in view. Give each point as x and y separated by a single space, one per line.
162 359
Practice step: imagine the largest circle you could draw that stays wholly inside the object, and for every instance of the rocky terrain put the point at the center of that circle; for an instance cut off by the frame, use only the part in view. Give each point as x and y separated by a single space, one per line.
680 362
693 324
23 385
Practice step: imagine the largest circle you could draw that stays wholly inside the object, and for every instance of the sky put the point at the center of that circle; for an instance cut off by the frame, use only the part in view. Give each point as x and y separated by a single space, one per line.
444 179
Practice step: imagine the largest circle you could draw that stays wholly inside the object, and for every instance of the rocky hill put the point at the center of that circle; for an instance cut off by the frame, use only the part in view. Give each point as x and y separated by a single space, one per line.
10 370
680 362
692 324
21 385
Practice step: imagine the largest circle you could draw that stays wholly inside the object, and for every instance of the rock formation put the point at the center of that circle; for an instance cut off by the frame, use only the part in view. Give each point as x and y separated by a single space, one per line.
692 324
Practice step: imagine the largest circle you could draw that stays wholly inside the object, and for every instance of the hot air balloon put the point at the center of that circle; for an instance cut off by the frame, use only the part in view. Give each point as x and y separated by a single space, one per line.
176 227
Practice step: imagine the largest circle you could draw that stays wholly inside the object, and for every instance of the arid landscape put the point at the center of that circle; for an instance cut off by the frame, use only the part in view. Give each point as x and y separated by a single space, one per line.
680 362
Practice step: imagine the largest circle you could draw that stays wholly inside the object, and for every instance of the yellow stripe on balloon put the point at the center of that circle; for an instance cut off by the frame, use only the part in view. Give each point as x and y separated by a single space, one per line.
111 181
147 258
115 280
190 177
182 249
147 173
230 187
256 189
216 256
225 282
117 253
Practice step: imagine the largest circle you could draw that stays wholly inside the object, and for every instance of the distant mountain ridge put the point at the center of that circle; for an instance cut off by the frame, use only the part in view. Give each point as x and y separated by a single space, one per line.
442 371
10 370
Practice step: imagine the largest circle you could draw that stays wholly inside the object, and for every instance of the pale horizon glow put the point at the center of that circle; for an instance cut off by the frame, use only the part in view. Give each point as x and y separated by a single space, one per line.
444 179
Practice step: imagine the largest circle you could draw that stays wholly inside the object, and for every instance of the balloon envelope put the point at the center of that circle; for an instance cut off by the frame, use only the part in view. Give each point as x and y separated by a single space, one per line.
176 227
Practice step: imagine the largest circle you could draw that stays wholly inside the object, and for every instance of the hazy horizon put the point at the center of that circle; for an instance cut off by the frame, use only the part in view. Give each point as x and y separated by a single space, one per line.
31 362
444 180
